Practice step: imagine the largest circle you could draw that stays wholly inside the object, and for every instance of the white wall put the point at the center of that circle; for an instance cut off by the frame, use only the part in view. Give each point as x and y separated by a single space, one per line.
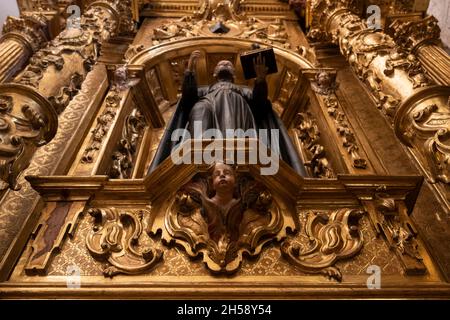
8 8
441 10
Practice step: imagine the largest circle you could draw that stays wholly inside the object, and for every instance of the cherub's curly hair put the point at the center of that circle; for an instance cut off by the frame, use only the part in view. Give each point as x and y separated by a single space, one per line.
210 172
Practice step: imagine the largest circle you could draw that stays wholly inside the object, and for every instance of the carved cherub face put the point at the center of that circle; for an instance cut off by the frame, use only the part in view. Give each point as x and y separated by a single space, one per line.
224 70
323 79
121 75
223 178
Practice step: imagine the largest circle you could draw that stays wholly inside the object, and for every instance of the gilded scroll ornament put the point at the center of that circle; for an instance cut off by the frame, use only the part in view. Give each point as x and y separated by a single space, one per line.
438 152
372 54
66 94
221 216
114 239
329 237
52 78
104 122
426 128
309 135
124 156
219 17
219 10
27 121
345 131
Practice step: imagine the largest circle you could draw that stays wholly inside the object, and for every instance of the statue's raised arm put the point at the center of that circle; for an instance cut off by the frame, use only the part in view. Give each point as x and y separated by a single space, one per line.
260 89
189 92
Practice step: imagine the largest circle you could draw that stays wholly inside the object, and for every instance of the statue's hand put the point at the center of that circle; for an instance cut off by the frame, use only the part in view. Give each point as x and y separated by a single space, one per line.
260 67
193 60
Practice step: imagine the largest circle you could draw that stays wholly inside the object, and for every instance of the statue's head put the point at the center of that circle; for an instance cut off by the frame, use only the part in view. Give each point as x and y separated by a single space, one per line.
223 178
224 70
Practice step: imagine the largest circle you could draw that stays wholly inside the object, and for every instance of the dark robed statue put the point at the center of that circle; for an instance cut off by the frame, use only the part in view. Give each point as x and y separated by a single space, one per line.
225 105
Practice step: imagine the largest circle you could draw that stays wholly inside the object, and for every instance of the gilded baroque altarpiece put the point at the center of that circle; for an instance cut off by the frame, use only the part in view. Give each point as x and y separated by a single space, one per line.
83 110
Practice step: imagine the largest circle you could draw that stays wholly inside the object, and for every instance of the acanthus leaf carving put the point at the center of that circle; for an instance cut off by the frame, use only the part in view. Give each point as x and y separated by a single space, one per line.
66 94
372 54
412 34
114 239
124 156
438 156
349 140
104 122
426 129
32 28
408 63
329 237
310 136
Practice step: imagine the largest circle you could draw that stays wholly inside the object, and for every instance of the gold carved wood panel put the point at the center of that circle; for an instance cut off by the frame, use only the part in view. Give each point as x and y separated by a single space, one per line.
176 263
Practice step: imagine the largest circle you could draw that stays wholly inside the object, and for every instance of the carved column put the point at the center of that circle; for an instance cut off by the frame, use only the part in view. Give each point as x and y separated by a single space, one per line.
21 38
30 105
418 109
422 38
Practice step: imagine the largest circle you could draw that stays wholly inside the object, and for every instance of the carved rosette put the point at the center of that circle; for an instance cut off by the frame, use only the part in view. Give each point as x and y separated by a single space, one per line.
114 239
27 121
327 238
221 238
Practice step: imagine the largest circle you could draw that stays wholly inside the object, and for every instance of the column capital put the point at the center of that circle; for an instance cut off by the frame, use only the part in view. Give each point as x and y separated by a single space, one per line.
30 28
414 34
119 9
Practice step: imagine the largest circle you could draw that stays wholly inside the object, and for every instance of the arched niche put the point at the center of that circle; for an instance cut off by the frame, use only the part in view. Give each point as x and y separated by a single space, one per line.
164 67
161 69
